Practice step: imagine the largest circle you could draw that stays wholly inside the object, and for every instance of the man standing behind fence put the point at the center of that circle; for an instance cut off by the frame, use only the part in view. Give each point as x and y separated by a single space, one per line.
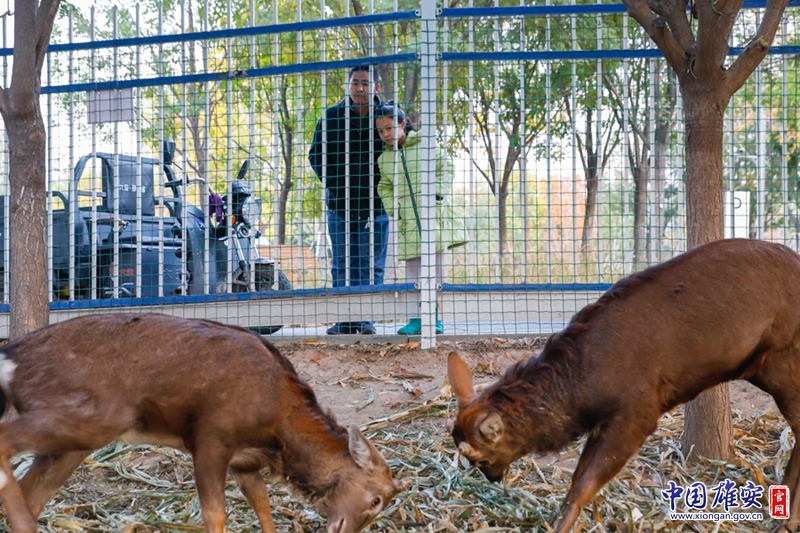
343 154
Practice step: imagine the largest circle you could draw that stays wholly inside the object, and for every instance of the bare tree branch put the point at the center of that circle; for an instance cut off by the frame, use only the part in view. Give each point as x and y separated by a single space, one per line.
535 130
755 51
633 154
285 121
26 39
490 175
464 147
674 14
578 138
634 124
360 31
5 102
482 120
610 144
712 44
45 18
658 32
726 22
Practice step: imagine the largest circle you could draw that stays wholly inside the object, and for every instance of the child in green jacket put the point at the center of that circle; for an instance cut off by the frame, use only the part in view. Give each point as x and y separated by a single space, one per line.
401 164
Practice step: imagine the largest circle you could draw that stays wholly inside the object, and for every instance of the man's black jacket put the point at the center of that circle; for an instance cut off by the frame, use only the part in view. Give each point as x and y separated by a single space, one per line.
364 148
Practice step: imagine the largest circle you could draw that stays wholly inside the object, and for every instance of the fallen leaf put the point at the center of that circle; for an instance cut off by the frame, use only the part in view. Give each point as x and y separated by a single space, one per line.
369 400
130 527
67 524
446 392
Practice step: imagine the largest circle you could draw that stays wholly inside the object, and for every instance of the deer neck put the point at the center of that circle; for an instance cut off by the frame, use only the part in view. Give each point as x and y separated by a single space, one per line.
313 448
552 416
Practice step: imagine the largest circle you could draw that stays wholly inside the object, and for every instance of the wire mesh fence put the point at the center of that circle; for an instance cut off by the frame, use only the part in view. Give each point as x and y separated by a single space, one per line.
335 167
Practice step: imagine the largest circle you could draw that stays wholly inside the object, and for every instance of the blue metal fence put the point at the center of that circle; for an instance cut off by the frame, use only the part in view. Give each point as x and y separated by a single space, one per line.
549 114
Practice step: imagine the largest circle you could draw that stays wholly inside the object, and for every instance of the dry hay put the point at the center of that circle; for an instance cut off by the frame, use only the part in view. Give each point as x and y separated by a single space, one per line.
140 488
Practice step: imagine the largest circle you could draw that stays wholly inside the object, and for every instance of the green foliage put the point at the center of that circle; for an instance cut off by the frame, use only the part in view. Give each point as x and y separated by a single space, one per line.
774 93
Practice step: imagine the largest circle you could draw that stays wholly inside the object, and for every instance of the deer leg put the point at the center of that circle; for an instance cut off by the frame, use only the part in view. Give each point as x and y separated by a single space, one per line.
791 476
43 433
777 376
610 449
46 475
790 479
211 460
255 491
587 454
20 516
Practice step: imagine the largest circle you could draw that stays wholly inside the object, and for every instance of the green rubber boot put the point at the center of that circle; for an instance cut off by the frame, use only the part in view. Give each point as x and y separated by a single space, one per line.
414 327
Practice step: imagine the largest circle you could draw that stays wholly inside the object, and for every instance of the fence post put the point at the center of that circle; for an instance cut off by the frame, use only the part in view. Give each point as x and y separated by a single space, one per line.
428 215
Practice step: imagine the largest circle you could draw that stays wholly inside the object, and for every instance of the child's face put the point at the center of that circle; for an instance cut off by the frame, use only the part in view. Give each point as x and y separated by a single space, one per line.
389 131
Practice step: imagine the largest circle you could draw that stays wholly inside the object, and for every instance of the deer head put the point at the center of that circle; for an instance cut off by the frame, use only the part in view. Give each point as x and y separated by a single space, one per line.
479 430
364 488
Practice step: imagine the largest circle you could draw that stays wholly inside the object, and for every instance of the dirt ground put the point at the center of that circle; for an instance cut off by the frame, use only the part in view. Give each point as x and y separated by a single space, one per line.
366 382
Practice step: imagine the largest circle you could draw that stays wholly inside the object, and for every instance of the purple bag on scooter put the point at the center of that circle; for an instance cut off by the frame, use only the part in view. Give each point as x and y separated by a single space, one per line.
215 207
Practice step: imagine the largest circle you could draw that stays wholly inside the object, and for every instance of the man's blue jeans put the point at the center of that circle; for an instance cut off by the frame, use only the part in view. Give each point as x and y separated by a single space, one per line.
360 252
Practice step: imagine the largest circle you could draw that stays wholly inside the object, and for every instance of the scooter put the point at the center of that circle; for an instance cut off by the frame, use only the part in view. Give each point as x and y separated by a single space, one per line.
231 226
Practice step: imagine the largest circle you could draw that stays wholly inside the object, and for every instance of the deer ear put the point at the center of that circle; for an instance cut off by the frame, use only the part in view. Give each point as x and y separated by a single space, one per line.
492 427
460 377
363 452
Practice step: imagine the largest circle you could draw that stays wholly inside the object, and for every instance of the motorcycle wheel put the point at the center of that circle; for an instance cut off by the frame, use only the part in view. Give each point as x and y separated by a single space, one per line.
265 277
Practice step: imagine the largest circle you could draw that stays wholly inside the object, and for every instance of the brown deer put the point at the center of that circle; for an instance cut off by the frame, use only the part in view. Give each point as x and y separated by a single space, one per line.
218 392
726 310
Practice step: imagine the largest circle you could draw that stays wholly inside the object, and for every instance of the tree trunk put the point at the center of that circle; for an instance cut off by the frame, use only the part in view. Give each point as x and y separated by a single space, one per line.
665 122
708 430
29 291
640 215
411 90
592 169
592 183
502 222
287 153
502 199
660 148
704 210
697 54
19 105
283 201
